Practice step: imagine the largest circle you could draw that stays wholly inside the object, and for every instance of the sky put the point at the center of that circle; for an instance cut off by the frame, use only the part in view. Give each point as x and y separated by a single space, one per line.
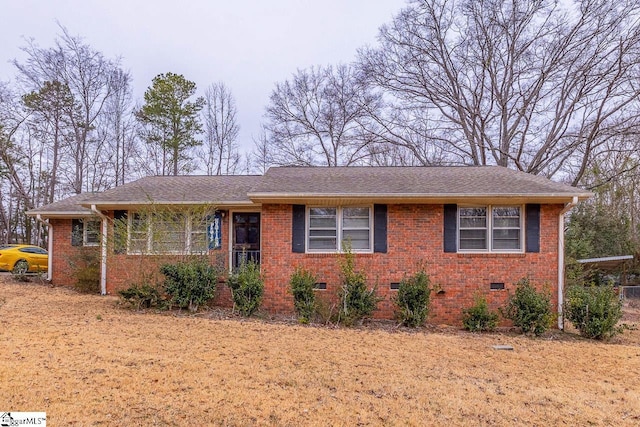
250 45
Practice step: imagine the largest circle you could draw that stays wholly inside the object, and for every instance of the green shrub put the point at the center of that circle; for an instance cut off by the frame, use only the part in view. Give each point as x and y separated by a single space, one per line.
191 283
478 317
301 286
141 295
529 309
247 288
594 310
356 301
412 301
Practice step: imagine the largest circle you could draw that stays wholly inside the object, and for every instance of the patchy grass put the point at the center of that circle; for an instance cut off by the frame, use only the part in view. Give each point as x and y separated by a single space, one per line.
86 361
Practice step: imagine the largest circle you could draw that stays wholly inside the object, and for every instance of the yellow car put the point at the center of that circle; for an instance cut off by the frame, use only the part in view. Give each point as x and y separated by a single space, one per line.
21 259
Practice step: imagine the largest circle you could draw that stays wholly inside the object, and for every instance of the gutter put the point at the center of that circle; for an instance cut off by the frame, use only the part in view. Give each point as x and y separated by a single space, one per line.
103 247
412 195
49 246
567 207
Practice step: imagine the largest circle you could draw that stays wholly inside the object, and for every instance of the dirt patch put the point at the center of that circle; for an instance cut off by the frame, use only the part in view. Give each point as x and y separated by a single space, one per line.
86 360
631 309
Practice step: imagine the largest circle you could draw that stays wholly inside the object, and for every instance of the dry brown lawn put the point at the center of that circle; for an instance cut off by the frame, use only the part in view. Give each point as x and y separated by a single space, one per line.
86 360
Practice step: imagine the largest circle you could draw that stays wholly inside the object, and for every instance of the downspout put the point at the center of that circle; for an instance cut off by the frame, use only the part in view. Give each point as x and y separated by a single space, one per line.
103 247
567 208
49 246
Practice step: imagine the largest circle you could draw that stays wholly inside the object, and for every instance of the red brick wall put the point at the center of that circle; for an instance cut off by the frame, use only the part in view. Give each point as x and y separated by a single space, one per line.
414 234
124 270
64 255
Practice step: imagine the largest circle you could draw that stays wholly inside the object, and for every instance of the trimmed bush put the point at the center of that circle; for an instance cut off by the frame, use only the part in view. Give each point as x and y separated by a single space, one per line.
529 309
191 283
478 317
247 288
412 300
301 287
356 301
143 295
594 310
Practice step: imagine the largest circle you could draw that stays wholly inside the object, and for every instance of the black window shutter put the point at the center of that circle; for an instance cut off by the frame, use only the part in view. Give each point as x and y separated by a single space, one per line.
76 232
532 228
450 228
380 228
297 229
120 232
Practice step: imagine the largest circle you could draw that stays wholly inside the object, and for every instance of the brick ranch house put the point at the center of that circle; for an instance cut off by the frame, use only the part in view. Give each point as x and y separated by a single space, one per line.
474 229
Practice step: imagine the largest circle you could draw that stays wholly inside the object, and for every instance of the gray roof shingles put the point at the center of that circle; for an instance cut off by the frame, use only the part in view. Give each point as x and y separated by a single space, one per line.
181 189
418 181
70 205
322 181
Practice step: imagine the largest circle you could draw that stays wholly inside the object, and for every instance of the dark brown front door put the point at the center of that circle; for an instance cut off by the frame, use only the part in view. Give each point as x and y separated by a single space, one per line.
246 237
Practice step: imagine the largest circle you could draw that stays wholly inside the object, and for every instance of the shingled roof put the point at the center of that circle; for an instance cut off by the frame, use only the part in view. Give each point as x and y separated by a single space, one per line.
218 190
468 184
70 207
407 183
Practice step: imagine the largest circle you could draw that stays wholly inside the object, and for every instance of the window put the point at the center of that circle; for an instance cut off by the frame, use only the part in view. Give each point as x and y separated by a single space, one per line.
506 228
356 228
38 251
168 233
323 229
85 232
138 233
490 228
198 241
171 232
473 228
330 227
91 234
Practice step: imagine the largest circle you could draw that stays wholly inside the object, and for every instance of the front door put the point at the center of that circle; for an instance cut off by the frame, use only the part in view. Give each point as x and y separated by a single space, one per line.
246 237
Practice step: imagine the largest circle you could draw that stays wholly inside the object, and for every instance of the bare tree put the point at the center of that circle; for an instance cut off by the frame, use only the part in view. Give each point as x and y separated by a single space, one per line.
537 85
260 158
20 172
49 108
321 117
118 130
220 149
88 76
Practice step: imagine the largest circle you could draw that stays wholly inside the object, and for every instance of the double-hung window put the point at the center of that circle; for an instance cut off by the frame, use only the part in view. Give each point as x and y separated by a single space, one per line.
197 233
323 229
506 228
85 232
490 228
167 232
91 233
139 236
473 228
330 228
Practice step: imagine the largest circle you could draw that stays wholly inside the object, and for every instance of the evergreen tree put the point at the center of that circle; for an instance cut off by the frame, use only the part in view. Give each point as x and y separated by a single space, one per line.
170 120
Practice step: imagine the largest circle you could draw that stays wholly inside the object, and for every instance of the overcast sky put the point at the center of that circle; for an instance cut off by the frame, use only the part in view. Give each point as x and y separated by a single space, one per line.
248 44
